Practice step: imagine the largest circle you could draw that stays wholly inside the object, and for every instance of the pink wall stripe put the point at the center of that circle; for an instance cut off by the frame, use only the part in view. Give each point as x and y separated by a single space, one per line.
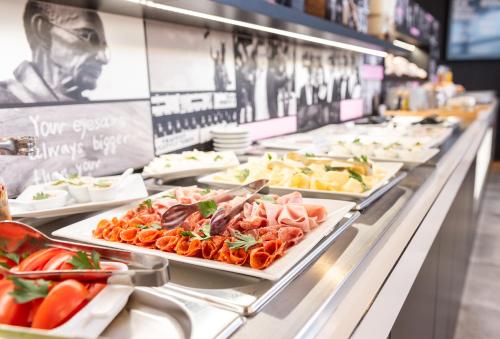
372 72
270 128
351 109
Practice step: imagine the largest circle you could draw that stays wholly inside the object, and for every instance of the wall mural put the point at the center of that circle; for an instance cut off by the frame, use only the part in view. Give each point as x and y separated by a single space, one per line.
74 61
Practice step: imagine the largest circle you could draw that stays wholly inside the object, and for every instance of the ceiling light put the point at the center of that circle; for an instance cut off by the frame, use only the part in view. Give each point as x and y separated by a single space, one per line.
271 30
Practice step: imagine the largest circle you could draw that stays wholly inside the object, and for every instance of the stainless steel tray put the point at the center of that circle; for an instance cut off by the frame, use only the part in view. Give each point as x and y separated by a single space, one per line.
243 294
150 314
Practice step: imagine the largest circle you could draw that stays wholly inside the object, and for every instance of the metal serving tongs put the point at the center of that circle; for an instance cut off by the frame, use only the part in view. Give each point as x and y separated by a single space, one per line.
175 215
142 269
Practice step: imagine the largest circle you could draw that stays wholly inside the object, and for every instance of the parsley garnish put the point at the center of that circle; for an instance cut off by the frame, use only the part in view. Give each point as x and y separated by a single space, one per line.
81 261
356 176
205 191
27 290
243 174
357 141
146 204
192 158
154 226
269 157
12 256
310 155
362 158
244 241
218 157
205 230
334 168
207 207
41 196
169 194
306 171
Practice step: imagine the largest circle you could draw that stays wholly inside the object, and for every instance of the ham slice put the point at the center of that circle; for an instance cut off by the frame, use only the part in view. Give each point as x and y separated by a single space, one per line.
291 198
290 235
295 215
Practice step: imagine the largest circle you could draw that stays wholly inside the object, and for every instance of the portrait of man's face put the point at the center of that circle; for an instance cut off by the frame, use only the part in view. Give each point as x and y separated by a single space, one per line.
78 49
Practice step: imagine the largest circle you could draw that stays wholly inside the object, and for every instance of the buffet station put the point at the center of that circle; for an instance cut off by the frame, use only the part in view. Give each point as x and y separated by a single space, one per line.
243 169
311 230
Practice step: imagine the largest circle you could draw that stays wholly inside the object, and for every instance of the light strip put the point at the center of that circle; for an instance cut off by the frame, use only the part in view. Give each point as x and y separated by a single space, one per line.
271 30
404 45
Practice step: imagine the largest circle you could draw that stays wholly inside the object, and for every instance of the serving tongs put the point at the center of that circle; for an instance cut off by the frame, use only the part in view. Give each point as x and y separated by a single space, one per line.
142 269
175 215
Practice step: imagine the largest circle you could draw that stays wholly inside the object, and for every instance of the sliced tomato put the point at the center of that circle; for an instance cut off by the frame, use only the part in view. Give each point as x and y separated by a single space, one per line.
59 262
62 302
38 259
94 289
12 313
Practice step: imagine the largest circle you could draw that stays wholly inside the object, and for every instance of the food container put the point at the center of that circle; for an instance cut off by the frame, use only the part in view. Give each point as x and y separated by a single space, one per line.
79 189
49 199
103 189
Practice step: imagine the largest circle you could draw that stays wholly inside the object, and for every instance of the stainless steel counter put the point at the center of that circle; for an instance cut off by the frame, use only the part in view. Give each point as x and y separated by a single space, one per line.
332 291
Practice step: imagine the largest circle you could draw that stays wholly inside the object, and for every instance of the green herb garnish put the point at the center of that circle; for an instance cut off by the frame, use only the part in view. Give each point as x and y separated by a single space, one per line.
269 156
357 141
102 184
58 182
244 241
329 168
41 196
362 158
243 174
80 261
192 158
169 194
12 256
358 177
205 191
218 157
207 207
306 170
310 155
146 204
205 230
27 290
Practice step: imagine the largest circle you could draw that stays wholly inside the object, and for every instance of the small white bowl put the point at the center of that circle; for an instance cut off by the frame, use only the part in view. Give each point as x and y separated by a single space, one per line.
79 189
100 191
56 199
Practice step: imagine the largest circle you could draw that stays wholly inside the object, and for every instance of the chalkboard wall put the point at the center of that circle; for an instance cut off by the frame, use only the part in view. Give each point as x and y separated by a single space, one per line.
103 92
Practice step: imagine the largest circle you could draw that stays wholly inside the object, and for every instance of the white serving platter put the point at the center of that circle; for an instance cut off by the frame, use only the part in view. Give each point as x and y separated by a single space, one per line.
391 168
82 231
172 174
418 158
132 189
89 322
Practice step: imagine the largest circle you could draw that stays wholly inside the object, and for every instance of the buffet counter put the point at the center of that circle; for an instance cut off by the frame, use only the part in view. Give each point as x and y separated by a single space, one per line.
355 287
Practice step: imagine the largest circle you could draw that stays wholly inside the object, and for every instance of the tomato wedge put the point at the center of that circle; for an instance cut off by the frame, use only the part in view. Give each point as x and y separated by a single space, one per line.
62 302
12 313
38 259
94 289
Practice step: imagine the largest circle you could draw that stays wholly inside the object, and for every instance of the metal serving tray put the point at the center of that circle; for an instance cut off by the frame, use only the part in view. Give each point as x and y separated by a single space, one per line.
150 314
243 294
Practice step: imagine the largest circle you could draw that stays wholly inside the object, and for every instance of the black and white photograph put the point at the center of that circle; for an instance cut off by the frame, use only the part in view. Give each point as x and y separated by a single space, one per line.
69 54
324 78
89 139
264 77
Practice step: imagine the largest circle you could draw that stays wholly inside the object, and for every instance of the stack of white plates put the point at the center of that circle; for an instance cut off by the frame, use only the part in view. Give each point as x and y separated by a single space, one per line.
236 139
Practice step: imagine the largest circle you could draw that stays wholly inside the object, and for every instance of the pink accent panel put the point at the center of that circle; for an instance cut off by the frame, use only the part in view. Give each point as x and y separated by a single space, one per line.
351 109
270 128
372 72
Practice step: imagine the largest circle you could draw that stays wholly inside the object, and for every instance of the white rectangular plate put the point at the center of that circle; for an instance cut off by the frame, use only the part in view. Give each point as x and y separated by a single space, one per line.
185 173
82 231
420 157
89 322
391 169
132 189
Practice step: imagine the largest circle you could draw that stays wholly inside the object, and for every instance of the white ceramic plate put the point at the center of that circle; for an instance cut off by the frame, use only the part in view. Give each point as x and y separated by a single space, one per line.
132 189
391 168
82 231
90 321
292 142
173 174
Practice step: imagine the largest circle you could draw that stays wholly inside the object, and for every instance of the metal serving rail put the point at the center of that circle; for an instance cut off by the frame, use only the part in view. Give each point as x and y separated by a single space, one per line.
293 304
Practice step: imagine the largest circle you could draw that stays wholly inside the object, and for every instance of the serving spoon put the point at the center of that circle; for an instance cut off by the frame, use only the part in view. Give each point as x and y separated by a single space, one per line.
175 215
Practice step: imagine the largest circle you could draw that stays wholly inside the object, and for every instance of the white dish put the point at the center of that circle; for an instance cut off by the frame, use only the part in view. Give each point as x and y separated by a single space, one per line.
79 189
194 169
232 146
54 199
230 131
390 168
90 321
99 194
230 137
238 151
82 231
133 189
